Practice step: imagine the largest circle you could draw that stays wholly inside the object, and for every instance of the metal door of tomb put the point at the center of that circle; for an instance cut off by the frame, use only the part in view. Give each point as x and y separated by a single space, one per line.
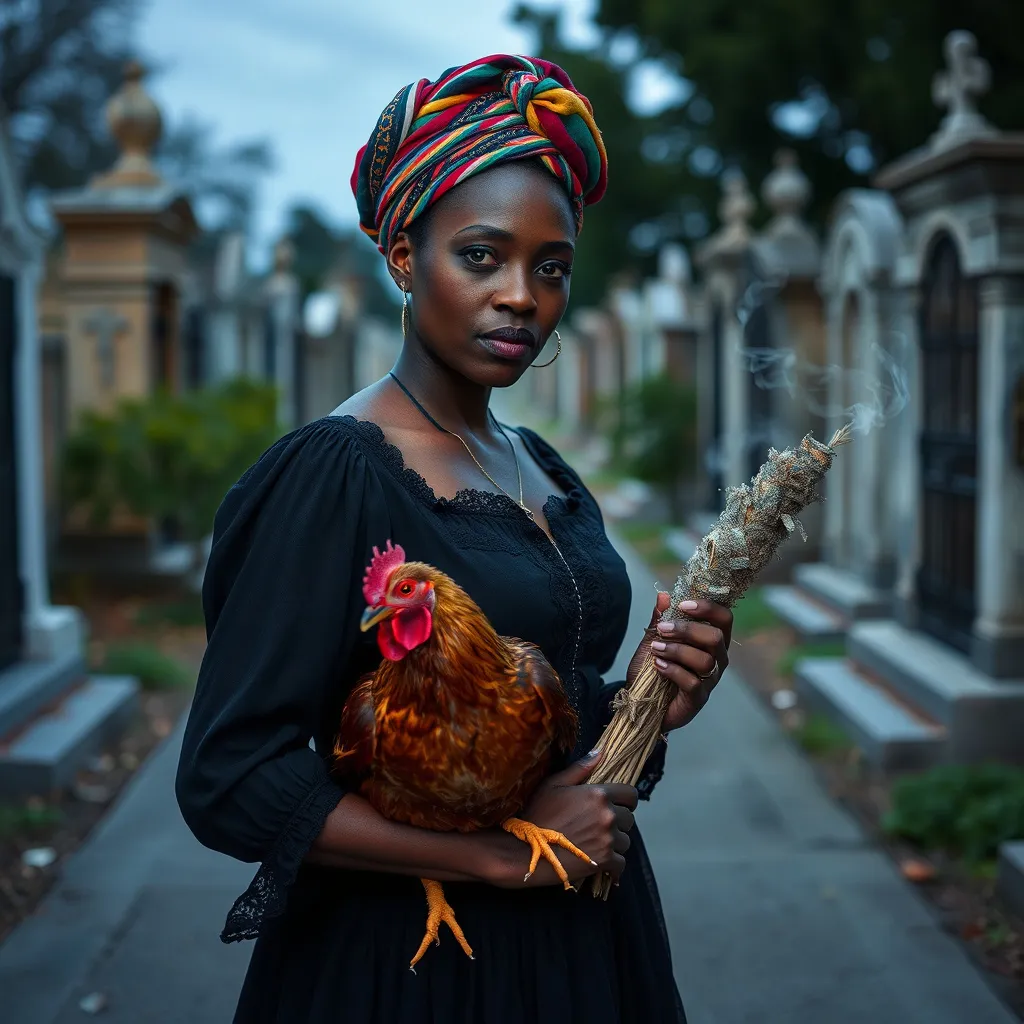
948 445
10 578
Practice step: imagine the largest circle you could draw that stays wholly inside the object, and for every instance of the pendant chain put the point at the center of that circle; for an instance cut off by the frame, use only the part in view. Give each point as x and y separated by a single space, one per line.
501 430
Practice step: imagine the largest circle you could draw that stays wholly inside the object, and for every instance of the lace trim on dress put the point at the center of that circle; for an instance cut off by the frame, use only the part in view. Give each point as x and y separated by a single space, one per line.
268 891
469 499
478 534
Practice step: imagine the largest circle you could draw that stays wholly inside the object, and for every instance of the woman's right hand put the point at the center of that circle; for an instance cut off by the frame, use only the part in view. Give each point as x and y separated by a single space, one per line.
597 819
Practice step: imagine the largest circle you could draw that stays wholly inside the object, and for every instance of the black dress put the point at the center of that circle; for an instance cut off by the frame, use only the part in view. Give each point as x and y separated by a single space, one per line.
283 599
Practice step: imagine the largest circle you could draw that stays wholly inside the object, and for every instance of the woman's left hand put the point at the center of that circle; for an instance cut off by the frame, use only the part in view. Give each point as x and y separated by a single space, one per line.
692 653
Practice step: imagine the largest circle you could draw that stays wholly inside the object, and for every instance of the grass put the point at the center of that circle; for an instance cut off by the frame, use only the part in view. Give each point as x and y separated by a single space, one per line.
605 477
14 820
786 665
751 614
820 735
154 669
187 612
637 532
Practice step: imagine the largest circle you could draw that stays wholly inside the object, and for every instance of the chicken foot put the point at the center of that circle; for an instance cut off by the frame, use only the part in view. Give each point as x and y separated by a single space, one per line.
438 910
540 841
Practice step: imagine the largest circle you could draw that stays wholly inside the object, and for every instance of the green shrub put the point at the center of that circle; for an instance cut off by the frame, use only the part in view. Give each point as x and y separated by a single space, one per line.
15 819
966 810
751 614
169 457
654 436
172 613
786 665
820 735
154 669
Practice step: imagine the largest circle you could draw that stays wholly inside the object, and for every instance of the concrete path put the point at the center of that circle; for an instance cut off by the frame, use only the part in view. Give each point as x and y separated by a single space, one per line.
778 909
779 912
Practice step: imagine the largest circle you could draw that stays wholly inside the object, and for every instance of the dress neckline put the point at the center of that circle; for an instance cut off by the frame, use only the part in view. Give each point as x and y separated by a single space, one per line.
475 499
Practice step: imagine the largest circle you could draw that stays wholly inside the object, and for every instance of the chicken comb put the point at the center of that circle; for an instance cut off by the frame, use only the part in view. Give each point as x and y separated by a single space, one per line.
375 582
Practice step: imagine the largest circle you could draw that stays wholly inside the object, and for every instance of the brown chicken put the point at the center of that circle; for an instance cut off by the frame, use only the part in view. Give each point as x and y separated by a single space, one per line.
457 726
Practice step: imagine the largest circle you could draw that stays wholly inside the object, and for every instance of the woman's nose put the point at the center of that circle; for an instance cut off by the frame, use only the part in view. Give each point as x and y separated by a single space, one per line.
514 293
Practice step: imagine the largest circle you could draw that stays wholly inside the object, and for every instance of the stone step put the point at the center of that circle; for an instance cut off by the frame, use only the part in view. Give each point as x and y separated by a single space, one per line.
842 591
891 736
28 686
1010 879
984 716
812 621
45 754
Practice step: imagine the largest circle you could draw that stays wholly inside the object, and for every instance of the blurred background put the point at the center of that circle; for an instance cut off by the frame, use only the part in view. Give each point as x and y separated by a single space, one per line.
815 216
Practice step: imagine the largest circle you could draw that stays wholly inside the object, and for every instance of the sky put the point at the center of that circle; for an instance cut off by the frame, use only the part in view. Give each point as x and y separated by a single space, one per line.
313 75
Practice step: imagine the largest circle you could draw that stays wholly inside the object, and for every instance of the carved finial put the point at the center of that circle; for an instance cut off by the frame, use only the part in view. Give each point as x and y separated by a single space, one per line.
736 208
136 123
786 190
284 256
967 76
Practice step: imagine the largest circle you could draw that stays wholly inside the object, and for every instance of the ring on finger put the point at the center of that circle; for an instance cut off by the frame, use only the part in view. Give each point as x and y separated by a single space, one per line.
708 676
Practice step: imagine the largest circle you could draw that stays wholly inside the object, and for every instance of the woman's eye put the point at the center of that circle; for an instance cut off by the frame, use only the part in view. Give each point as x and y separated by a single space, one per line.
480 257
555 270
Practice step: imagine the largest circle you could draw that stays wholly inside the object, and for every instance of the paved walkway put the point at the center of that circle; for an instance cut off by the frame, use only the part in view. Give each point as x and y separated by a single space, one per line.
779 911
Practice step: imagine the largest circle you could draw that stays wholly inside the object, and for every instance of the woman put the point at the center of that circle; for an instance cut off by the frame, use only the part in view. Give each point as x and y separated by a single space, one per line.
473 187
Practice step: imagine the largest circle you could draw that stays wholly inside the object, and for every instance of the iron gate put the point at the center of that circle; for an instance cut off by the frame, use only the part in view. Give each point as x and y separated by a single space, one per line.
715 456
10 578
949 446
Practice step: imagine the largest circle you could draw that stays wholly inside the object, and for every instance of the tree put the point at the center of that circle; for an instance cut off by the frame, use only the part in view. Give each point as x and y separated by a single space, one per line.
321 248
60 61
860 71
223 181
846 85
638 191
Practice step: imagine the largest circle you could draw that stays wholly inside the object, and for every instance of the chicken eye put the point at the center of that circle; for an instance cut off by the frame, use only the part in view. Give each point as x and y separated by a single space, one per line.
405 588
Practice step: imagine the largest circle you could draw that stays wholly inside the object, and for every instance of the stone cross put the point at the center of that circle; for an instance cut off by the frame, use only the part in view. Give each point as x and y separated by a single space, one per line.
106 325
966 77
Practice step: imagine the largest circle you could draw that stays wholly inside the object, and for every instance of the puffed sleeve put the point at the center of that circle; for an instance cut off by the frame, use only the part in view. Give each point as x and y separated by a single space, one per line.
282 603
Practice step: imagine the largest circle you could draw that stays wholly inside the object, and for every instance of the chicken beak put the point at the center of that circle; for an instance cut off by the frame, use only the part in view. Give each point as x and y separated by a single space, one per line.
374 614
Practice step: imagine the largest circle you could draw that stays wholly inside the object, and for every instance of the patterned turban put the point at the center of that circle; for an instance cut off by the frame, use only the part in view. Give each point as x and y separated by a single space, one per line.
434 135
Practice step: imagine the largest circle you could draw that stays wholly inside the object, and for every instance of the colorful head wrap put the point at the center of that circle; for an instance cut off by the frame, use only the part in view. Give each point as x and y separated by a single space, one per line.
434 135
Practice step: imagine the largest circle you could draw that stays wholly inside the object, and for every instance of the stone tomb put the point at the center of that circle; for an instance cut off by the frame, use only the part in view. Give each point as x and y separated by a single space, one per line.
52 715
944 679
855 577
119 288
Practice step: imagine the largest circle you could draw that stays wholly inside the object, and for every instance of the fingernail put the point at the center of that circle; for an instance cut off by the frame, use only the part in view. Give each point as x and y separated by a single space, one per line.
661 663
688 606
593 753
666 627
659 645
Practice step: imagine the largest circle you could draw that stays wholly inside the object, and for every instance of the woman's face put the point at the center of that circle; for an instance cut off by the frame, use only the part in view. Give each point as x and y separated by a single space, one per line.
489 279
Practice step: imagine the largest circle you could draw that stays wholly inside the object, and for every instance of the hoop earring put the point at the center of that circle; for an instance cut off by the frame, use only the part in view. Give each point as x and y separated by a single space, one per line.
405 312
558 352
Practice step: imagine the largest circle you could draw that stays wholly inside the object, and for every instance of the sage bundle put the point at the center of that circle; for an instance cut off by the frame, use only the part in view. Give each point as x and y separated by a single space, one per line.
757 518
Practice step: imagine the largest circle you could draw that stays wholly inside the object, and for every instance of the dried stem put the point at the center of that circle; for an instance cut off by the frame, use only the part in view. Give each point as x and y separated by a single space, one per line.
757 518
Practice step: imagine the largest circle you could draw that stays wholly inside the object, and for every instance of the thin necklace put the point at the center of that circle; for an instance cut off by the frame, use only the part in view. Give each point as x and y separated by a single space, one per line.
501 430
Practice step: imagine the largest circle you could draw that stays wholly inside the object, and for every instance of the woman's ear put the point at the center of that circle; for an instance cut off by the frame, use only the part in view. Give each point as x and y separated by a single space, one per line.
400 260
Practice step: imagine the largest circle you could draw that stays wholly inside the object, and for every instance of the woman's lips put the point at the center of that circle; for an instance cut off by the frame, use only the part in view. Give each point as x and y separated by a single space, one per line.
506 349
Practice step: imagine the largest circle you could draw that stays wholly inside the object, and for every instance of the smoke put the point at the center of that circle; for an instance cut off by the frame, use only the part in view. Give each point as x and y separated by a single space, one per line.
719 455
867 398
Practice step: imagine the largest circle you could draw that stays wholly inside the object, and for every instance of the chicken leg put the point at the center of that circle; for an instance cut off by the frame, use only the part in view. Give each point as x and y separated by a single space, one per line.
540 840
438 910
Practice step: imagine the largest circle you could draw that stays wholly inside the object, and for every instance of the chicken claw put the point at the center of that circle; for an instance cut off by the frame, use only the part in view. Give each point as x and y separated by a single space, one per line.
540 840
438 910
